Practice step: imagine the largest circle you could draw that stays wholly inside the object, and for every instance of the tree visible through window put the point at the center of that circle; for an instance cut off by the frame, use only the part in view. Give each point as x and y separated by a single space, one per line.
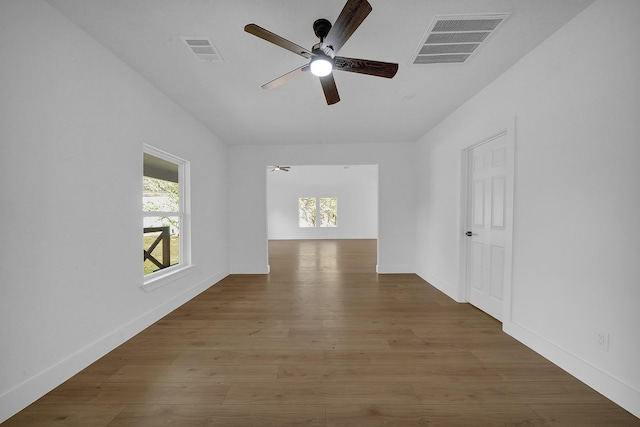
309 210
328 212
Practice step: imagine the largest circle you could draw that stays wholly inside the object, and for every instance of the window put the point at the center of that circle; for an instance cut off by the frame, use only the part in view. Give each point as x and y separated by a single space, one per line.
307 211
311 208
328 212
165 214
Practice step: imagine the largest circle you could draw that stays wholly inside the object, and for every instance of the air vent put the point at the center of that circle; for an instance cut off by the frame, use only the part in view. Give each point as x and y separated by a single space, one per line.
454 39
203 48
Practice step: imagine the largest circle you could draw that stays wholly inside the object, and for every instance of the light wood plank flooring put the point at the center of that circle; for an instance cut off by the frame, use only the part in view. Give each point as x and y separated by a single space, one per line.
323 341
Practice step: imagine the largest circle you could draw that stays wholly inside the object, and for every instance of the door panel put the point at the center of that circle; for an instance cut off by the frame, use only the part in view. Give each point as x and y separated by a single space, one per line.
497 272
477 262
478 203
498 188
499 156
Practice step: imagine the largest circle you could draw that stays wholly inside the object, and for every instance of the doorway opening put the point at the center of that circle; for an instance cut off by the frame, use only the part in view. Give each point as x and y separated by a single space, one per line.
323 203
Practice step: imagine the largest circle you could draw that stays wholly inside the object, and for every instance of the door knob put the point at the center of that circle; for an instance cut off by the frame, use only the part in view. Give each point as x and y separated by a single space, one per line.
468 233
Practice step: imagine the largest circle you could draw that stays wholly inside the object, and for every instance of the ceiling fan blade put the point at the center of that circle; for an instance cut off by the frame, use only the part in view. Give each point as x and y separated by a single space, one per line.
330 89
352 15
365 66
286 77
277 40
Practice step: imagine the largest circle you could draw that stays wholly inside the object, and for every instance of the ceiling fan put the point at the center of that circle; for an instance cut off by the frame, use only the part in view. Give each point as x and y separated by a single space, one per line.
279 168
322 56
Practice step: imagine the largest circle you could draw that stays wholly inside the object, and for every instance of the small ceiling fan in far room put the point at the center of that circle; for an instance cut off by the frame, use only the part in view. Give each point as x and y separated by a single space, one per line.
279 168
322 56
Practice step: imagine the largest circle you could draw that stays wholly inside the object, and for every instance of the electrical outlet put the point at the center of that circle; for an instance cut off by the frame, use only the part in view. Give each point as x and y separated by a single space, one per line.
602 340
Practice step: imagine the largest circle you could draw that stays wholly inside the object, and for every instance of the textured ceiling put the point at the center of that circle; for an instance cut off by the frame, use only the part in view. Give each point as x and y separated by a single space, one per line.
227 97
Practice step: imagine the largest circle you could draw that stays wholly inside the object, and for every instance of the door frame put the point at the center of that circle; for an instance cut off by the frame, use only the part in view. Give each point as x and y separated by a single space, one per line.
465 193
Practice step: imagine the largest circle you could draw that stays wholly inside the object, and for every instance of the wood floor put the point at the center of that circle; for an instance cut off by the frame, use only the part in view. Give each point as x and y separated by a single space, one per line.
323 341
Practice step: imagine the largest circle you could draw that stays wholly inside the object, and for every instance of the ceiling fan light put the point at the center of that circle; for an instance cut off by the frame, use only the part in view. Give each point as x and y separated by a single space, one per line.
321 66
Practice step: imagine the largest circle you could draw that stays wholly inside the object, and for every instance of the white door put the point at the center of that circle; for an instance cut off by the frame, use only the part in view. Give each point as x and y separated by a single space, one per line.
489 195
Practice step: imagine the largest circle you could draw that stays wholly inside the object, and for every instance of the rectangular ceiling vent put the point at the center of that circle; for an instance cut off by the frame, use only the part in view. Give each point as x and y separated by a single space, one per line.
203 48
454 39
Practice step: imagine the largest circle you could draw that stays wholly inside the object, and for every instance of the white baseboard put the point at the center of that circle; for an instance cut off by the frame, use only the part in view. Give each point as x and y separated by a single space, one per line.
612 388
22 395
450 291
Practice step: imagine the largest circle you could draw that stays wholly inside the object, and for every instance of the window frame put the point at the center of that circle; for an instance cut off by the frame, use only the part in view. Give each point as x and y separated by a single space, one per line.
164 276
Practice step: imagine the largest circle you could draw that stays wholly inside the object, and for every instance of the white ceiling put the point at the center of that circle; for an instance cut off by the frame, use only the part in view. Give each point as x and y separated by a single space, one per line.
301 175
228 99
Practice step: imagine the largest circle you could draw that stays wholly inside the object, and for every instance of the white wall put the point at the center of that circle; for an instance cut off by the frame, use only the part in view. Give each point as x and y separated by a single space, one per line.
355 186
73 119
247 198
576 100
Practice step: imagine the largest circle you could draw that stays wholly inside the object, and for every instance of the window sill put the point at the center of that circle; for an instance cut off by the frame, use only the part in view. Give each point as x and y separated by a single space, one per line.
165 277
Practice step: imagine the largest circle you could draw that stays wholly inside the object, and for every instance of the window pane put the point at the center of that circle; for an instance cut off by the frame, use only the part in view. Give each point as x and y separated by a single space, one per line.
160 195
328 212
161 243
307 211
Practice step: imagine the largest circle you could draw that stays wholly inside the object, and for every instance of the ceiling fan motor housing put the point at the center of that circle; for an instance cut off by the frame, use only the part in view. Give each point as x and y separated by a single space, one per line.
321 28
